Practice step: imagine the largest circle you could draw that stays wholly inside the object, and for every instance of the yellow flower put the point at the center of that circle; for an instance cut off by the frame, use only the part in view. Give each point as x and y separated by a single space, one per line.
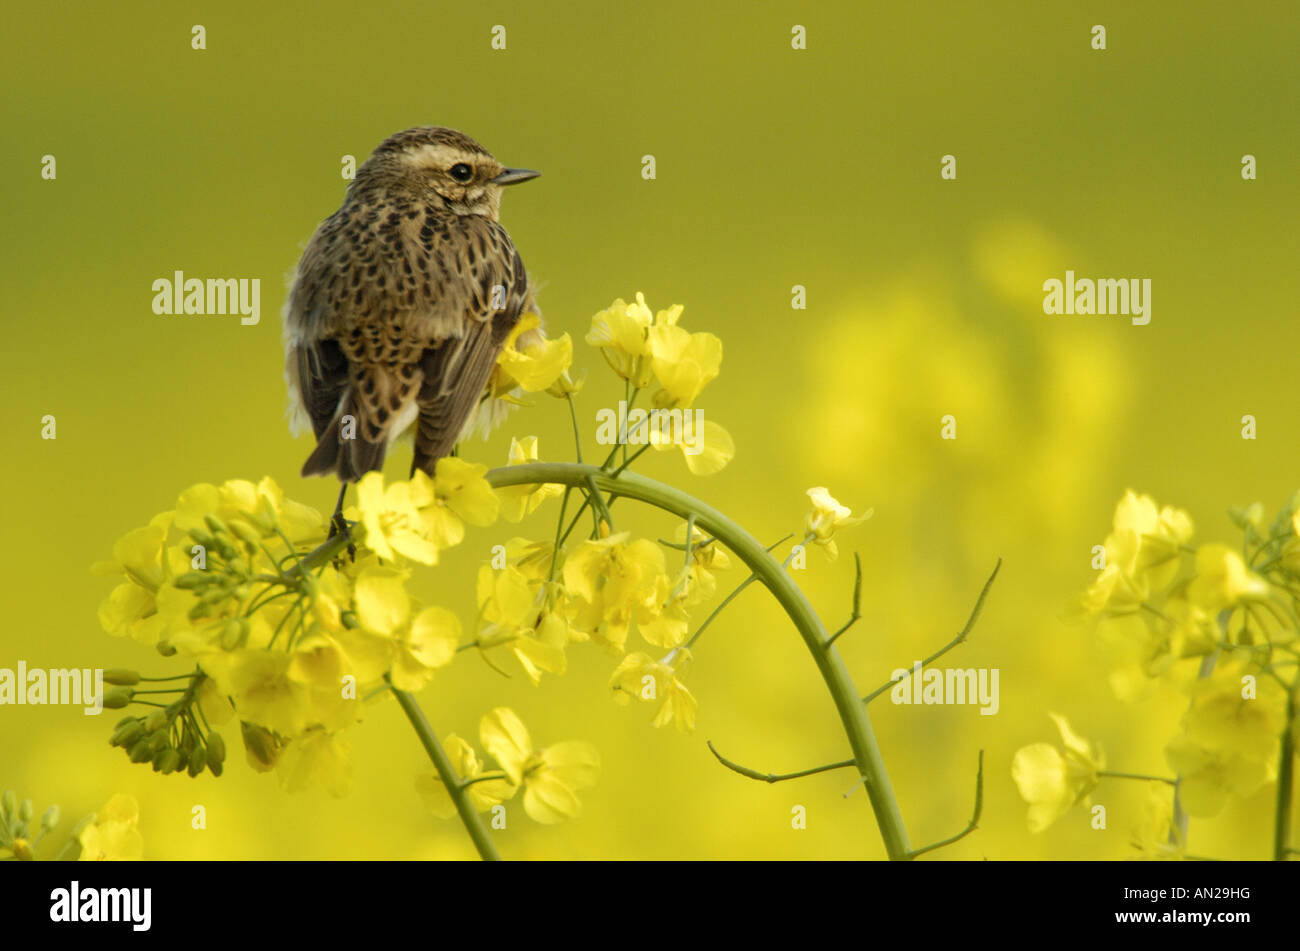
260 685
620 331
130 610
421 646
429 643
551 778
534 363
112 835
261 505
519 500
1052 780
507 602
483 795
640 676
392 517
461 493
705 445
1230 738
1158 836
318 757
827 517
1223 580
683 362
613 583
1136 651
1141 554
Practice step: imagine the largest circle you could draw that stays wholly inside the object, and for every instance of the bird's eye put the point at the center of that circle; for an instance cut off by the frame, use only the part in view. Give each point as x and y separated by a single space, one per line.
461 172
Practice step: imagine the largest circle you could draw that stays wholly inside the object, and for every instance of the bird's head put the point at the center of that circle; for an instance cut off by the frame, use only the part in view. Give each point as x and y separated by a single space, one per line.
448 164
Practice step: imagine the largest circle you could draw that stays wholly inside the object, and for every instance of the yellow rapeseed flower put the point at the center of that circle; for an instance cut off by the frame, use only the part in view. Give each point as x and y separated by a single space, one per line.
1052 780
827 517
551 778
113 834
645 678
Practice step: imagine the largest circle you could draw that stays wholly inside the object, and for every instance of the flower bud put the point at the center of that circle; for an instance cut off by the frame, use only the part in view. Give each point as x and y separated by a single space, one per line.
128 733
216 749
141 752
159 741
26 811
192 580
50 819
245 534
170 761
204 539
196 761
116 698
8 803
165 648
234 633
217 525
260 745
120 677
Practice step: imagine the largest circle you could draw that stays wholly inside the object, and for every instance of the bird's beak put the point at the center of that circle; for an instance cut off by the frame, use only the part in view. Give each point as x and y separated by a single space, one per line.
512 176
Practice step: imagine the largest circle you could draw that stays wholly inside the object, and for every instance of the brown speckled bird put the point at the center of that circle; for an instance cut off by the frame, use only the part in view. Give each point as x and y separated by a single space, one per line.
402 302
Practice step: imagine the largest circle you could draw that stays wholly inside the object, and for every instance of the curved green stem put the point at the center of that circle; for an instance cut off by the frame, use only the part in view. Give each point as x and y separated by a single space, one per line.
447 773
853 713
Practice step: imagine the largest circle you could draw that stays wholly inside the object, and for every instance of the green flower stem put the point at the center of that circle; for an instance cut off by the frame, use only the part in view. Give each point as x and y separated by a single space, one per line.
1115 774
447 773
853 714
1285 782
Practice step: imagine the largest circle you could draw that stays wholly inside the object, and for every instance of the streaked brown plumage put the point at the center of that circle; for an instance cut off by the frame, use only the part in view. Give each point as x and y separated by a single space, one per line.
392 318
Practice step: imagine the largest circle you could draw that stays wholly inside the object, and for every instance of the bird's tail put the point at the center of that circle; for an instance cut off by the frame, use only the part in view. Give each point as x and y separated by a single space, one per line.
344 447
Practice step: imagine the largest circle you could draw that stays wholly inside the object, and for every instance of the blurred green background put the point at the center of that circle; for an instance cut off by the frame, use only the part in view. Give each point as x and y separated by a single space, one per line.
775 167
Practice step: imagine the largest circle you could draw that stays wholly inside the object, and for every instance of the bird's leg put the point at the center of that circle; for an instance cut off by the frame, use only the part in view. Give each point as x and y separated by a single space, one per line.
338 524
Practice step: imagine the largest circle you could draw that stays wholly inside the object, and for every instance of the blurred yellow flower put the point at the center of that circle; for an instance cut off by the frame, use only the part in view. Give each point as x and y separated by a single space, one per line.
1223 580
1135 650
1141 554
112 835
519 500
483 795
644 678
1052 780
551 778
827 517
1157 836
318 757
1230 738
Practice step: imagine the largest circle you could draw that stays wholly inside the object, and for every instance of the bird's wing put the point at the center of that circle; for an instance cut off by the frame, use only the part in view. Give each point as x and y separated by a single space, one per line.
393 302
490 294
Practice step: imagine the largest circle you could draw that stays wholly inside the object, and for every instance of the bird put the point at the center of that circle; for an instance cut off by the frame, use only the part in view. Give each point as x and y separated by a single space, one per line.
401 304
